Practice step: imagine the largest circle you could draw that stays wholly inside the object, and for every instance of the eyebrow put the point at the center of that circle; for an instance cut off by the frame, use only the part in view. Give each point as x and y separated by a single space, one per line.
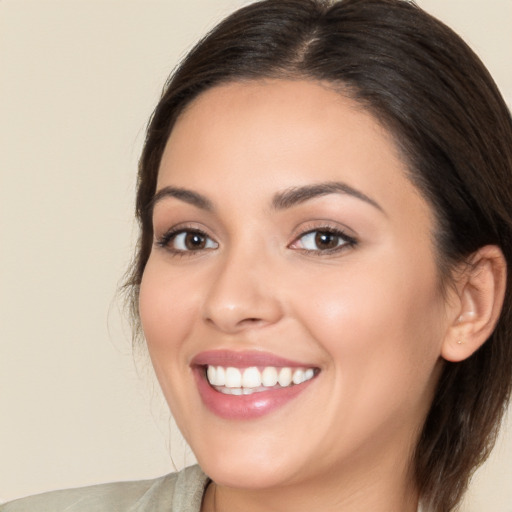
298 195
281 200
183 194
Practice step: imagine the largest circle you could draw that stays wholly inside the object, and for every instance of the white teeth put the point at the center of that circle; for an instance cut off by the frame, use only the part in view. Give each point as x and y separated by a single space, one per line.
251 378
211 373
285 377
216 375
234 381
221 376
298 377
233 378
269 376
238 391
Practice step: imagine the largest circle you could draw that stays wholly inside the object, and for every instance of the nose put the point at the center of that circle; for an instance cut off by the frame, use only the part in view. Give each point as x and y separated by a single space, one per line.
242 295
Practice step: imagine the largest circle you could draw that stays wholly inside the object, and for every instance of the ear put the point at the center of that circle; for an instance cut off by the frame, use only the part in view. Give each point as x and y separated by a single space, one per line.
480 290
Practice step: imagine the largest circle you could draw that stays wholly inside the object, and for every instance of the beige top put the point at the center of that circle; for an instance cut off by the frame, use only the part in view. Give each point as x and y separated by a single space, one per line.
177 492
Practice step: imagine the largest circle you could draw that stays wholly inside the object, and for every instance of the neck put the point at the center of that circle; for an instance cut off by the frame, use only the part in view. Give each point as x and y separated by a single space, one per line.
374 490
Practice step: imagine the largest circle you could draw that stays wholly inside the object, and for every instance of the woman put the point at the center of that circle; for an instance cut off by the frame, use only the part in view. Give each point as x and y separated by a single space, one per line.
324 200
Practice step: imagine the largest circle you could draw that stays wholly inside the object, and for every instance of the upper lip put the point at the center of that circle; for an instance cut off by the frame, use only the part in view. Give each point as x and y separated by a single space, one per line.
244 359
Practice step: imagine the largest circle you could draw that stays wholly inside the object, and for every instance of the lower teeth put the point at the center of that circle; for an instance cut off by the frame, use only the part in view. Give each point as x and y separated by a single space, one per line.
245 391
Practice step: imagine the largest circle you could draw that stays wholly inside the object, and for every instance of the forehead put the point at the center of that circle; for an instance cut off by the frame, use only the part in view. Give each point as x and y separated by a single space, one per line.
279 133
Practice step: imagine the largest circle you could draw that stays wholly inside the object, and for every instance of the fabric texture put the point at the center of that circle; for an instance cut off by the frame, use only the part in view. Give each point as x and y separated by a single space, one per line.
176 492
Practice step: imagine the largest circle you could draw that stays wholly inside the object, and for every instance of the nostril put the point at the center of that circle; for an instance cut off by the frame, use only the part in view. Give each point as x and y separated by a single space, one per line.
228 324
251 321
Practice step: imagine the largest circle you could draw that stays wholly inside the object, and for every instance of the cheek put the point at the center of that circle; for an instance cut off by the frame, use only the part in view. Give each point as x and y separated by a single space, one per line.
166 310
377 322
167 306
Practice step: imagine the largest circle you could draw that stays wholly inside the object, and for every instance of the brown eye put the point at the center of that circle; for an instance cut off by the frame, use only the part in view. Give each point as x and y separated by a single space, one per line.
188 241
194 241
323 241
326 240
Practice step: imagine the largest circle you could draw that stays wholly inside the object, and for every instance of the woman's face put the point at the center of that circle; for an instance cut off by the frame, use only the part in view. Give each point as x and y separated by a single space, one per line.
289 244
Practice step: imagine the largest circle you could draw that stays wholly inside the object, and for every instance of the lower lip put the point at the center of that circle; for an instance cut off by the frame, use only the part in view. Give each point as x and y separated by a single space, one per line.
245 407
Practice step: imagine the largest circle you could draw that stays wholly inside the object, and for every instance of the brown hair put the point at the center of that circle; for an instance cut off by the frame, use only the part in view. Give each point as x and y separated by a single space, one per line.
422 82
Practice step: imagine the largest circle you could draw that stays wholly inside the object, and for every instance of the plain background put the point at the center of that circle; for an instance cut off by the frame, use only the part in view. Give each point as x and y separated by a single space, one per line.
78 80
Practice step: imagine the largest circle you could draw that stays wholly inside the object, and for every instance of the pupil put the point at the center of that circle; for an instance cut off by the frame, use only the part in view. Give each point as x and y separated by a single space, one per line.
194 241
326 240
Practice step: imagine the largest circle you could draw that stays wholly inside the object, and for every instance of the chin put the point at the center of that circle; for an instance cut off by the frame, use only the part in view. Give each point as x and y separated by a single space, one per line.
258 464
245 475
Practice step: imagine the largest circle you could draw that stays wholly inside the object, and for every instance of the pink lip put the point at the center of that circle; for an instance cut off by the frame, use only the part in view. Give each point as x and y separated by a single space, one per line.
243 359
244 407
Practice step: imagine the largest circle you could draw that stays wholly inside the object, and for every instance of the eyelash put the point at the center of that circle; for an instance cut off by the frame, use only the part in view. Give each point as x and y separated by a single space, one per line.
169 236
344 241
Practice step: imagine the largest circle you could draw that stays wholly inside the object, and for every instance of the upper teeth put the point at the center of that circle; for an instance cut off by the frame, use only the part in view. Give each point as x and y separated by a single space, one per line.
254 379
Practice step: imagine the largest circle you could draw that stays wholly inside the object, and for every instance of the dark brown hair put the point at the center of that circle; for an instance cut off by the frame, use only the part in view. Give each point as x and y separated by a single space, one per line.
425 85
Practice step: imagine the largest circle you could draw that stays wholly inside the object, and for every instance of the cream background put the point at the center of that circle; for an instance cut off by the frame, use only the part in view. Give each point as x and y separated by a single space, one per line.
78 80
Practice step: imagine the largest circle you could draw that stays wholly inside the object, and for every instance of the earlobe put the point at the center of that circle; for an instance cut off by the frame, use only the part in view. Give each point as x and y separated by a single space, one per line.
480 290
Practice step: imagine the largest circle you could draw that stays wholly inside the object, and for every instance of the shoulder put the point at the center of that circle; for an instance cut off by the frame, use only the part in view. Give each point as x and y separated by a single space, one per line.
176 492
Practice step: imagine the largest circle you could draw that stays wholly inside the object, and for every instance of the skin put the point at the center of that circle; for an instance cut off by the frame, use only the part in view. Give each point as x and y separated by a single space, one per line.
371 316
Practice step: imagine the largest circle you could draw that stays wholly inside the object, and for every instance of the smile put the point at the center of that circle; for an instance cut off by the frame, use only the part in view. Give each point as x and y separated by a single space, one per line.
244 385
236 381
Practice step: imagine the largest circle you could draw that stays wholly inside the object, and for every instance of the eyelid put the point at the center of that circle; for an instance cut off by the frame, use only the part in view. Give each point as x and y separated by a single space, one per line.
350 240
164 240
